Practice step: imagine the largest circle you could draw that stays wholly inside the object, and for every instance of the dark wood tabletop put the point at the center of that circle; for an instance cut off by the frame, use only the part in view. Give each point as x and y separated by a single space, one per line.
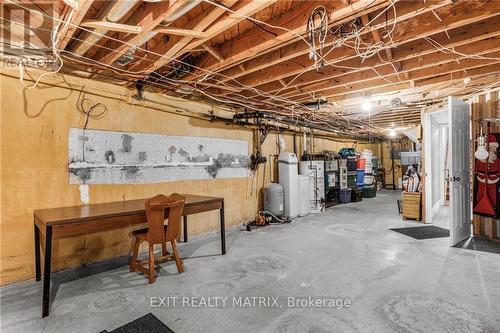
82 213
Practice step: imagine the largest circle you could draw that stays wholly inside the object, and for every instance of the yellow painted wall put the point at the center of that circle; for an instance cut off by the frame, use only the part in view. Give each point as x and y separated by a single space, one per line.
34 159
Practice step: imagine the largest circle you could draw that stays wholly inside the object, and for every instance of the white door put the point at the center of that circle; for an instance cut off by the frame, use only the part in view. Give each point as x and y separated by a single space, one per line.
460 201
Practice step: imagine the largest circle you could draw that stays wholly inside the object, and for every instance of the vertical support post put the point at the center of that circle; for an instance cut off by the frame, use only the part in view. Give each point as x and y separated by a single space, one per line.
38 271
393 170
185 228
222 229
46 271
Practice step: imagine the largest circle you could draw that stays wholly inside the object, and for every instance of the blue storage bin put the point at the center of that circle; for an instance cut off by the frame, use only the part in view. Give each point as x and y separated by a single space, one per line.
345 195
360 177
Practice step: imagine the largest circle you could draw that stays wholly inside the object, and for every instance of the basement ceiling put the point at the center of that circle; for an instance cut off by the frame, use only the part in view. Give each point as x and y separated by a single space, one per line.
319 62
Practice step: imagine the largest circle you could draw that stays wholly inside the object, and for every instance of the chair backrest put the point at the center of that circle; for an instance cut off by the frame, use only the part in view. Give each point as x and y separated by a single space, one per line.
159 208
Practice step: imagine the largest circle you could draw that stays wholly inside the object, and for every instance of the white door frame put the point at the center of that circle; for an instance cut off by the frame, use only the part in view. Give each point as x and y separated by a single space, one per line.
427 163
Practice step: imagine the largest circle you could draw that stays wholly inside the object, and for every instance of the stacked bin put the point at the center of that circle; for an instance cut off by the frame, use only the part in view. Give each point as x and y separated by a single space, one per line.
360 172
345 195
369 181
352 166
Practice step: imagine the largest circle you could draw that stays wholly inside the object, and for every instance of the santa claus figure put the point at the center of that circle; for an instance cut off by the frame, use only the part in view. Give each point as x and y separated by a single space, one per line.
487 176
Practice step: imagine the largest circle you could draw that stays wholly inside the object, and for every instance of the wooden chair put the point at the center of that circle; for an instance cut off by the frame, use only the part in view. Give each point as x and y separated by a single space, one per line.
158 209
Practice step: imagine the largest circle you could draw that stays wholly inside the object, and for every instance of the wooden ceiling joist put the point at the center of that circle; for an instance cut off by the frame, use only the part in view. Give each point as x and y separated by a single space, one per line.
253 53
416 75
257 41
112 12
228 19
149 16
413 37
180 32
298 51
76 17
105 25
430 61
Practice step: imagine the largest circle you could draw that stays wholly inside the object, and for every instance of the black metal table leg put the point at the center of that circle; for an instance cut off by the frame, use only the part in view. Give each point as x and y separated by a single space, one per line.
185 228
38 271
222 229
46 271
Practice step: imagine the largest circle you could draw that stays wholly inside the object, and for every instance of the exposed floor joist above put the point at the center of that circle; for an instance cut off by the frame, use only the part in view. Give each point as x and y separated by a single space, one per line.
315 61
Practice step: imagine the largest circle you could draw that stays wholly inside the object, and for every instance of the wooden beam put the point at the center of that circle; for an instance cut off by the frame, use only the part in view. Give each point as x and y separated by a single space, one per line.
428 61
169 49
343 57
180 32
76 16
111 12
264 59
105 25
212 51
187 44
257 41
450 77
148 17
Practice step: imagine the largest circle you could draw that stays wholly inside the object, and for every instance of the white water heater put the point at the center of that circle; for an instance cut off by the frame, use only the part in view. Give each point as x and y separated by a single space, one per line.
289 179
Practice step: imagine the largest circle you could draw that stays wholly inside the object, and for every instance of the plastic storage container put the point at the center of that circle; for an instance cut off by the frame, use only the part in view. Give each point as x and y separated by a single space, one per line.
361 163
343 163
360 177
352 164
410 157
368 169
368 179
351 179
369 192
356 195
367 154
345 195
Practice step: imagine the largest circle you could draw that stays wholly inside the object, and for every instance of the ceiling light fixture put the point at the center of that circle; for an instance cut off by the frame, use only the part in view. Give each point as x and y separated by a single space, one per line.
466 80
366 106
392 132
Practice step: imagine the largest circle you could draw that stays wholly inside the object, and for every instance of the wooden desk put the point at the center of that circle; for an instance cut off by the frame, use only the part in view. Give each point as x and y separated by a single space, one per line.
79 220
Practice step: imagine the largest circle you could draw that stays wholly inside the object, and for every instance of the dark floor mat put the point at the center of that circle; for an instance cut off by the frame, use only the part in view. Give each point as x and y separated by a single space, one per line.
146 324
424 232
479 244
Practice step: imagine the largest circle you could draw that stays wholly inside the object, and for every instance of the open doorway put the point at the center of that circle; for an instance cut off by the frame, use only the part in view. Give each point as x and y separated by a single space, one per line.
437 161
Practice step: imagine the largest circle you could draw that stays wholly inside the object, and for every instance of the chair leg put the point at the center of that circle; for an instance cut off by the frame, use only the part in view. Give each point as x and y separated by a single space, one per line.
152 277
177 257
164 249
133 261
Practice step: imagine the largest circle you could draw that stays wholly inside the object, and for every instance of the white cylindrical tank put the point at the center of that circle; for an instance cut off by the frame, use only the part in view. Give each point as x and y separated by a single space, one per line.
304 195
273 199
288 175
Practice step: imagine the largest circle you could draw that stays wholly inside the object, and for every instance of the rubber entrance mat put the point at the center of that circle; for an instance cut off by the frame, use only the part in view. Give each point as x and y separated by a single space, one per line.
479 244
146 324
425 232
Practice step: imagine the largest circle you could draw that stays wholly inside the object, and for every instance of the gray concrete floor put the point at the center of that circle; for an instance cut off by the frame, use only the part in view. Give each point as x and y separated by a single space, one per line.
394 283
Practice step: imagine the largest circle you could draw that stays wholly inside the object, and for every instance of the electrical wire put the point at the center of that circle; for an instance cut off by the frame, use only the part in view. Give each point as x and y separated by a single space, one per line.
360 46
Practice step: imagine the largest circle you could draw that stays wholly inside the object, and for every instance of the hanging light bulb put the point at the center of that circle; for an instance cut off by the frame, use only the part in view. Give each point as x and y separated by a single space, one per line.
366 106
481 152
392 132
